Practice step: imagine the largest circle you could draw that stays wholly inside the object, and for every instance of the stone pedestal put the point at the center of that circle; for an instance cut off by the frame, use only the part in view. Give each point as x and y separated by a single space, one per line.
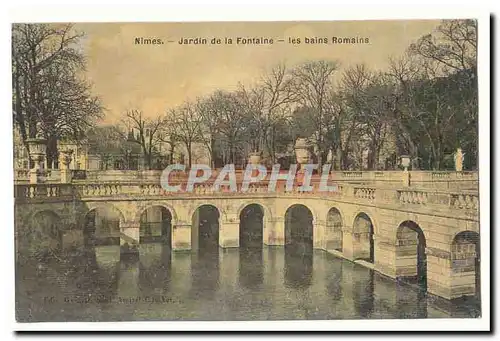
66 176
181 237
65 171
33 176
229 233
275 234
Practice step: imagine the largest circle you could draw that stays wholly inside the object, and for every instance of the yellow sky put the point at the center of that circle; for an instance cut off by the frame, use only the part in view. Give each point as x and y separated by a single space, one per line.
156 77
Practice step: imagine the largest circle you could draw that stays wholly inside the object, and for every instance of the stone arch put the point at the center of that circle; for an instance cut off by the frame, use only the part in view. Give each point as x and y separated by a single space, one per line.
465 264
205 227
333 232
222 212
251 225
312 210
44 237
363 232
411 258
93 206
368 212
267 212
104 231
299 225
155 225
151 204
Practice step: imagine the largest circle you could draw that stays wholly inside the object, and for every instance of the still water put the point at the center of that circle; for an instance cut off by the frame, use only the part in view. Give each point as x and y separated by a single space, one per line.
268 283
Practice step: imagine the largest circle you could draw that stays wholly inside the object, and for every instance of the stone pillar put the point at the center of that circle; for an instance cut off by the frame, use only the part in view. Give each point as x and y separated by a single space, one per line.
275 232
439 279
385 255
181 237
348 243
319 234
229 232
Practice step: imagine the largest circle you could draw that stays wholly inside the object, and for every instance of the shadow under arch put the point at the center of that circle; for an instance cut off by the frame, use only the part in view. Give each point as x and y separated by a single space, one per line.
411 259
363 242
298 246
334 225
155 225
45 236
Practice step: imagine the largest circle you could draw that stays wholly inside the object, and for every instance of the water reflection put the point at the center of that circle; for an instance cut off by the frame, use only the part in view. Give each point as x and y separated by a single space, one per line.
298 265
191 286
363 286
251 267
155 268
205 272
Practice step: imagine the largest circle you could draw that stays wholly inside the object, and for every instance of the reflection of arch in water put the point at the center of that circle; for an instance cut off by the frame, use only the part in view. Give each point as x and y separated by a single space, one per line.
205 228
45 236
156 225
155 268
251 226
411 260
102 226
465 258
333 235
251 267
363 243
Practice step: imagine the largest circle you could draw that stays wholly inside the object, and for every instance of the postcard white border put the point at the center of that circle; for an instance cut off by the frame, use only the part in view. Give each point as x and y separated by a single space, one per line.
289 10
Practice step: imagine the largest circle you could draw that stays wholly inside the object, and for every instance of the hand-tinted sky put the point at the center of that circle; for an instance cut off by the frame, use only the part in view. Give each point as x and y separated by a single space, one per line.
156 77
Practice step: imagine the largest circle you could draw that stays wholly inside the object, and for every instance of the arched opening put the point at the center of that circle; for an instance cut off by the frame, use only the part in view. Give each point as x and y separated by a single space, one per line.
155 237
205 228
363 243
298 246
251 268
102 226
465 258
411 260
101 235
45 237
251 226
156 226
333 233
205 241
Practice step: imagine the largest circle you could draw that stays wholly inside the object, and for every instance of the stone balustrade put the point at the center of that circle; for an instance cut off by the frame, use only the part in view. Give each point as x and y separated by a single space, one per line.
414 198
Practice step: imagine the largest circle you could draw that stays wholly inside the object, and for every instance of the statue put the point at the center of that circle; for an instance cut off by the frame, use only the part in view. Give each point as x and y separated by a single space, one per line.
459 159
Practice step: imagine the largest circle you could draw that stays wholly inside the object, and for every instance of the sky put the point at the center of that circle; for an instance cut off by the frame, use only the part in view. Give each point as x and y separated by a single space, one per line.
155 78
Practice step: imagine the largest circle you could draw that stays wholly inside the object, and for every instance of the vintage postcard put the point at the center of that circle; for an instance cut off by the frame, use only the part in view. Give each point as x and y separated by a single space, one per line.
246 171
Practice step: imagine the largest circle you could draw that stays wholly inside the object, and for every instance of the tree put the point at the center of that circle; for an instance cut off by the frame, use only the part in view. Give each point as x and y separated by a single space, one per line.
50 97
149 131
313 83
186 124
106 141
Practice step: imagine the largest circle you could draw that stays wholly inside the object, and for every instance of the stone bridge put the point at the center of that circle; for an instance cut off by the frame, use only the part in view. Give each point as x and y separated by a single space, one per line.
382 221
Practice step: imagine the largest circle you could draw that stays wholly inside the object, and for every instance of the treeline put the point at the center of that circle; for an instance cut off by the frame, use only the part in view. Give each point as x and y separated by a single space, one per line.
423 105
